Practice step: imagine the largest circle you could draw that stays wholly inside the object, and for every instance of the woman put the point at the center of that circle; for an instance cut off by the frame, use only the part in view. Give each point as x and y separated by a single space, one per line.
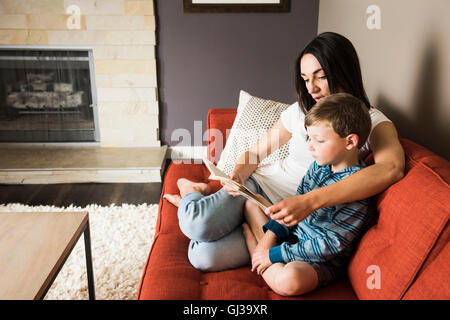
329 64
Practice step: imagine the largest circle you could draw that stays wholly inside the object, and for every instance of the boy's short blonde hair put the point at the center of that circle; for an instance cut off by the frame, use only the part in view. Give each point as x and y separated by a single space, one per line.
346 114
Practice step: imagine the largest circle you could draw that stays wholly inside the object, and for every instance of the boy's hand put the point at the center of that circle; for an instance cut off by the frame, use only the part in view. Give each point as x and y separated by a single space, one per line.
260 257
260 261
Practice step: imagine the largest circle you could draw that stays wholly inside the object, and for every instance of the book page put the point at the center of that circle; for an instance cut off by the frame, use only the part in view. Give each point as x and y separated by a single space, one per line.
217 174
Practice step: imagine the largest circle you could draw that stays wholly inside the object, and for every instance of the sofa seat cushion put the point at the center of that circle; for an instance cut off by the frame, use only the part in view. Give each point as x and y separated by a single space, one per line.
412 215
168 274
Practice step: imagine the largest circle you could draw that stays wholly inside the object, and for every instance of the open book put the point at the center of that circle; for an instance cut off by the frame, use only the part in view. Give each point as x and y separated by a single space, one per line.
217 174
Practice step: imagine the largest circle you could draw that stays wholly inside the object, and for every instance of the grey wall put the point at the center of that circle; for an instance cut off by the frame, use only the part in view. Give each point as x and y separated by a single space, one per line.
405 63
205 59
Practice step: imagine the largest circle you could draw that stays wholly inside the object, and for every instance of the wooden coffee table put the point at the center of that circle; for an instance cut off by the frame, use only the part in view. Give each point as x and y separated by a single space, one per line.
33 249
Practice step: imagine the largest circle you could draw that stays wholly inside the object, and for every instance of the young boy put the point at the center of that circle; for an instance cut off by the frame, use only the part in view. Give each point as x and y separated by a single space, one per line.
337 127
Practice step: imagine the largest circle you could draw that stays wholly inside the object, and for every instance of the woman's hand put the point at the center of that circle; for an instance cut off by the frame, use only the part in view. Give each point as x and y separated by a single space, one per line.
291 210
247 163
238 176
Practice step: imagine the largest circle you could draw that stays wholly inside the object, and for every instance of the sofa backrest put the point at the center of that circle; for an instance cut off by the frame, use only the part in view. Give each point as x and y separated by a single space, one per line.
219 122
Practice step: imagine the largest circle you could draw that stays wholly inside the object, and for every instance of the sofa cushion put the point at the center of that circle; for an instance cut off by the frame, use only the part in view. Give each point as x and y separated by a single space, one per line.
254 117
412 215
433 281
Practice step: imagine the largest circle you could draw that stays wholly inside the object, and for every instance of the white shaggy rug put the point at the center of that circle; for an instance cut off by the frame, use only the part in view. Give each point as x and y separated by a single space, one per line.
121 237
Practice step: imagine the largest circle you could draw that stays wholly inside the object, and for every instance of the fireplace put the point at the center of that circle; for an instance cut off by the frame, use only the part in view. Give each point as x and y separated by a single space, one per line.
47 95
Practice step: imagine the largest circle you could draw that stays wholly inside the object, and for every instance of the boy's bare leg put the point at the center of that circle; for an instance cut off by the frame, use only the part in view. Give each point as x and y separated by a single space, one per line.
289 279
186 186
255 218
249 238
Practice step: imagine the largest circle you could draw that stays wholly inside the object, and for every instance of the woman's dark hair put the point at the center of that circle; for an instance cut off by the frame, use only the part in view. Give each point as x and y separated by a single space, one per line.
339 61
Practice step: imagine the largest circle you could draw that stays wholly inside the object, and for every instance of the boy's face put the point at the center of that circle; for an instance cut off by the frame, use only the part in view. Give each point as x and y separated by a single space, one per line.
326 146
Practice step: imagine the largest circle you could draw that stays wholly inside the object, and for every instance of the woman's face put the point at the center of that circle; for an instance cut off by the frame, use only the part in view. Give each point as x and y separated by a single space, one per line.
315 79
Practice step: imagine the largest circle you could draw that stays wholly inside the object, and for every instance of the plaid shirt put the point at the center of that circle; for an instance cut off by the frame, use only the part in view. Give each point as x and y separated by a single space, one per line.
328 233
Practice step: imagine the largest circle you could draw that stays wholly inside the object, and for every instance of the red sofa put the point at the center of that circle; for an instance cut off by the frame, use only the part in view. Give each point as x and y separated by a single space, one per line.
404 256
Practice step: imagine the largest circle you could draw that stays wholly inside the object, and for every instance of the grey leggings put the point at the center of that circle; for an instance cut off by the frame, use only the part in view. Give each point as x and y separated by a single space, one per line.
214 225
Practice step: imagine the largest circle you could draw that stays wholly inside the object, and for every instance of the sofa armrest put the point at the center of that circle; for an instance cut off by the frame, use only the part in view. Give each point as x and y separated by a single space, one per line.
219 123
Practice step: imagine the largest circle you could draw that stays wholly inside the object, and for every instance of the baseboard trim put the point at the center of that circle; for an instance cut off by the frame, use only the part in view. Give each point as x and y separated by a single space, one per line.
186 153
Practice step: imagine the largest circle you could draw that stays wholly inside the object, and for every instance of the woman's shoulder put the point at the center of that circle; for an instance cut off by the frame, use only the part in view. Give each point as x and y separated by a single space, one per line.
291 117
373 111
377 116
294 110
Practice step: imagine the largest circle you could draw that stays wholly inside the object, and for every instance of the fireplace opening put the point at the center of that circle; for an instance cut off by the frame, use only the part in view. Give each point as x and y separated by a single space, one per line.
47 95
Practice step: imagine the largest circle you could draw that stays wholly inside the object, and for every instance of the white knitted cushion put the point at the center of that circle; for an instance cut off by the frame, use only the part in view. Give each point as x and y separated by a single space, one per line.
254 117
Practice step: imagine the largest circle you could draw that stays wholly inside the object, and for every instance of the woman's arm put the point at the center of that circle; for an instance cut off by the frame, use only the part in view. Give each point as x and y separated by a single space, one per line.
388 168
247 163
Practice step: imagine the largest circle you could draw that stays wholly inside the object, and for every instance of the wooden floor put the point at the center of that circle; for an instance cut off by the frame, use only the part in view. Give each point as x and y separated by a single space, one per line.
83 194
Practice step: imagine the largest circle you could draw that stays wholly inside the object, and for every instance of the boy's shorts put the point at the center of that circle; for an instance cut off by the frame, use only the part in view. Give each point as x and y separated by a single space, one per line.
327 272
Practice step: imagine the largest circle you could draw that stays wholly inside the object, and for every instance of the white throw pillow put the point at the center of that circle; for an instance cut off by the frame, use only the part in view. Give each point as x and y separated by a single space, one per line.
254 117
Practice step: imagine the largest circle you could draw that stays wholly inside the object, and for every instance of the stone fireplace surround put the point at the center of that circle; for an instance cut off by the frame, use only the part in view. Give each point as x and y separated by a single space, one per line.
121 34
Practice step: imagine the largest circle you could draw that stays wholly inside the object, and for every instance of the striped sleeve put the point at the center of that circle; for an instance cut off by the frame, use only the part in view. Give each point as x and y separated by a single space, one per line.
311 250
335 238
280 231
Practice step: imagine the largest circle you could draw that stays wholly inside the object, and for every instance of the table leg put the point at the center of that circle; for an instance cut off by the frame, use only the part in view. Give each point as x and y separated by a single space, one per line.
90 273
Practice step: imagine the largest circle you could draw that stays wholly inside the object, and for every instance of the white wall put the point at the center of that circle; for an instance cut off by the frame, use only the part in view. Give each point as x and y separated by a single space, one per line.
405 64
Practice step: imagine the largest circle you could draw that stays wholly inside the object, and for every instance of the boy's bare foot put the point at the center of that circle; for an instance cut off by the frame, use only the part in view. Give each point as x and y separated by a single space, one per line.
249 238
173 199
186 186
